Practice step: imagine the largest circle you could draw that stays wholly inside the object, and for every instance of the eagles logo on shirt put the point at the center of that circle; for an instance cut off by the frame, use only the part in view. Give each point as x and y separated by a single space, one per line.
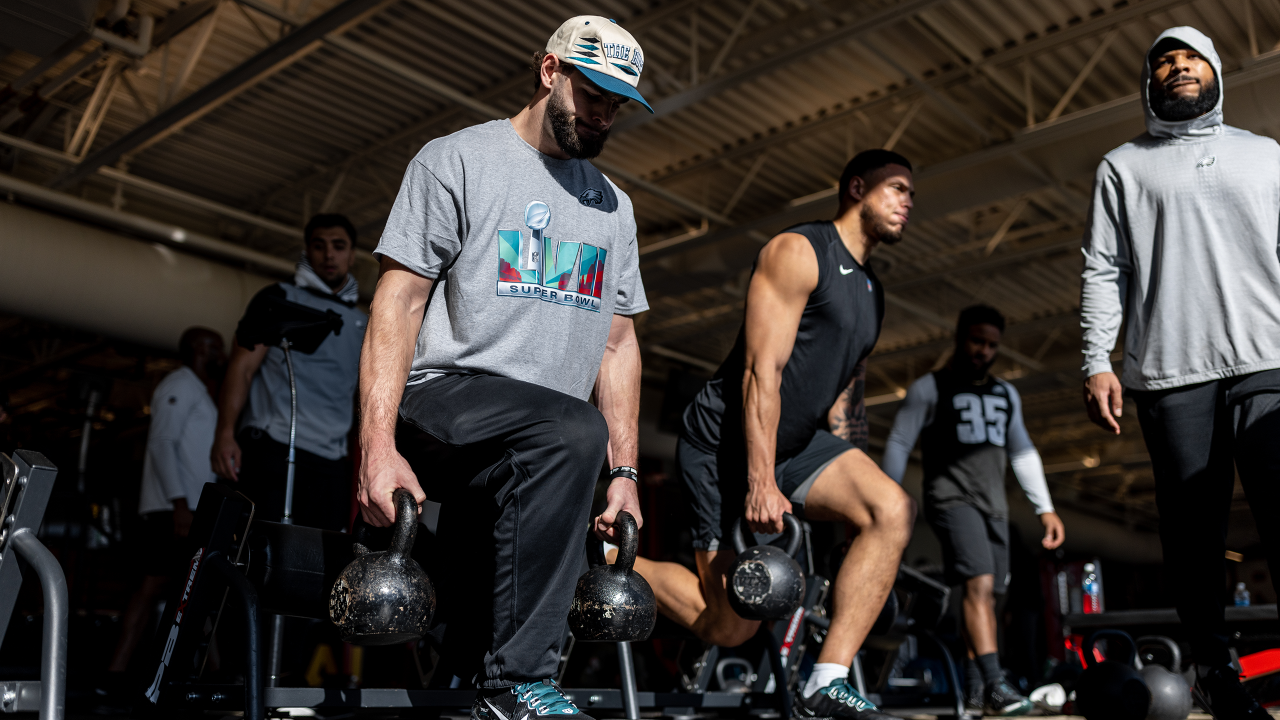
532 264
591 196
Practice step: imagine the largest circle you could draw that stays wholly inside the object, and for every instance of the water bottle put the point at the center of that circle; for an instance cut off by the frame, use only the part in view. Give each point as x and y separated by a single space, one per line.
1092 587
1242 595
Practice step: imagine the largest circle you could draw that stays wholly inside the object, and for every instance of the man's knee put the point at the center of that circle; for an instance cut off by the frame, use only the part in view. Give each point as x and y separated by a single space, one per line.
894 513
980 589
580 429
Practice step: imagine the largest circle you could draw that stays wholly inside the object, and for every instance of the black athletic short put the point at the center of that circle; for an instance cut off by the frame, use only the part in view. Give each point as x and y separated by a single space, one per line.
714 480
973 544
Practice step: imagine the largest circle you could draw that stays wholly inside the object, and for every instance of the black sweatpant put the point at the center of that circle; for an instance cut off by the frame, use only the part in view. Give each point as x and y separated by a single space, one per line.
514 466
321 487
1194 435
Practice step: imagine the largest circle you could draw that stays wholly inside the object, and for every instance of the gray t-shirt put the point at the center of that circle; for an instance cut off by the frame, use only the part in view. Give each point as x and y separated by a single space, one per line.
325 379
532 256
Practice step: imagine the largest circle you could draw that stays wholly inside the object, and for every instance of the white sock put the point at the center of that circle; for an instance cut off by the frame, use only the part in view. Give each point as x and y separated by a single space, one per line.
822 675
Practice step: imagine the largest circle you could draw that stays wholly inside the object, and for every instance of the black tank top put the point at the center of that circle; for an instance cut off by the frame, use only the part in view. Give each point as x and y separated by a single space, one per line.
964 447
838 329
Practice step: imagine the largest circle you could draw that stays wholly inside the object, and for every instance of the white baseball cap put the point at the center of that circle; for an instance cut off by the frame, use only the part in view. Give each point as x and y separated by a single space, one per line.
603 51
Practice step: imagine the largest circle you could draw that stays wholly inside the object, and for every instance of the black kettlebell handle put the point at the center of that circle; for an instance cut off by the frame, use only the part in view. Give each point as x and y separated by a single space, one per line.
791 532
406 528
628 544
1088 647
1175 652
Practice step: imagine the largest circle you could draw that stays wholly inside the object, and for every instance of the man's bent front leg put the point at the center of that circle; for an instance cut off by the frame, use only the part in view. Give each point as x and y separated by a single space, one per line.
699 602
980 614
853 489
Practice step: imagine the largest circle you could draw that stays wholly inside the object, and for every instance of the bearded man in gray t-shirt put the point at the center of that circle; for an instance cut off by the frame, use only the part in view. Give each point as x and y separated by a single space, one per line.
510 276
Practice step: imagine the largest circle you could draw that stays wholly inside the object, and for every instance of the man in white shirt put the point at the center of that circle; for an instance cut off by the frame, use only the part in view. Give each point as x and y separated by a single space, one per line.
183 419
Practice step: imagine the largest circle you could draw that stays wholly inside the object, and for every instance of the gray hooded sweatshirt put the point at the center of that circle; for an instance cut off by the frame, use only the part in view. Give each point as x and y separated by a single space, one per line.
1183 232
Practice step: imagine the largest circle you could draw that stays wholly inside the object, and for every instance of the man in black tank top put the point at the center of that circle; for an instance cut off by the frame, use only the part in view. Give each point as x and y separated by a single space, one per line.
782 428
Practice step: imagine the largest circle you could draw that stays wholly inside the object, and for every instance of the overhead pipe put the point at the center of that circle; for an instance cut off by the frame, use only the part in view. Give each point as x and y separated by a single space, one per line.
166 191
76 275
117 12
156 188
146 227
137 48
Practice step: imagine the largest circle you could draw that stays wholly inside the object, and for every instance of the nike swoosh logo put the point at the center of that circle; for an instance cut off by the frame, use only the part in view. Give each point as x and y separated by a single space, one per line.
845 272
495 710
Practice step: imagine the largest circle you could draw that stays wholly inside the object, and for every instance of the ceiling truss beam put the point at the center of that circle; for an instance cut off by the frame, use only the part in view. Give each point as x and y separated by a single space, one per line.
261 66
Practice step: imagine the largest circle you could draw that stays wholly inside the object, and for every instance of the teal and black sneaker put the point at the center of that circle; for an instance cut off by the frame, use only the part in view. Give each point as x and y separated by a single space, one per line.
1004 701
837 700
974 697
542 699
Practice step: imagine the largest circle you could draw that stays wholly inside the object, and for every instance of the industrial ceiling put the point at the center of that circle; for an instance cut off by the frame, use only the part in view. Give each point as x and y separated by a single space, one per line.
237 119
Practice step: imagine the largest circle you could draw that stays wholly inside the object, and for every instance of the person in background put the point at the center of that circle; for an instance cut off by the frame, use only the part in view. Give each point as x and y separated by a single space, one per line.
174 472
251 447
973 430
1180 249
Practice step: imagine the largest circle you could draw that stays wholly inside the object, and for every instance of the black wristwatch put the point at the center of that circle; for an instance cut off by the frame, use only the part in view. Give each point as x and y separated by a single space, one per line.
625 471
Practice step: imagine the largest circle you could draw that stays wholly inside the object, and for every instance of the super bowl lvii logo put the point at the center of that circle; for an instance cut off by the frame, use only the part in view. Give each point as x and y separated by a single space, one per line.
532 264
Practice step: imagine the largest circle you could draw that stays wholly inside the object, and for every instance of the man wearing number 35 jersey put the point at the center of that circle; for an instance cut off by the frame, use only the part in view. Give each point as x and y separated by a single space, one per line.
972 427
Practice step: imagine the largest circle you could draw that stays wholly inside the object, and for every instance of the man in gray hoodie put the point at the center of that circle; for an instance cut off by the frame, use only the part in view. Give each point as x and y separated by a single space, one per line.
1183 233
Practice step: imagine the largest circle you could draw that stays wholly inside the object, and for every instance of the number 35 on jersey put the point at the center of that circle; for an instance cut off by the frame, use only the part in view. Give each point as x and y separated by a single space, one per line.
983 418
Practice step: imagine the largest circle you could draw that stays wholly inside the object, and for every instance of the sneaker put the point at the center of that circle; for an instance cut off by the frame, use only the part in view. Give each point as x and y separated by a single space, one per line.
837 700
1003 700
974 700
526 700
1225 697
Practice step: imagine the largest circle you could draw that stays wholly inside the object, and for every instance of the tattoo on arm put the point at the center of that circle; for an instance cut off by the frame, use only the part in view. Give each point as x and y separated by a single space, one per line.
848 417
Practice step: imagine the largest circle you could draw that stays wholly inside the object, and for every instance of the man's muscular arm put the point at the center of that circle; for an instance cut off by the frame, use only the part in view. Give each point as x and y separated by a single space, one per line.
395 317
848 416
786 272
617 394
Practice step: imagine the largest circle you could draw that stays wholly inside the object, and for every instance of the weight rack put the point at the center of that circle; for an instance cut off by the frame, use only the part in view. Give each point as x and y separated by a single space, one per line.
28 482
283 569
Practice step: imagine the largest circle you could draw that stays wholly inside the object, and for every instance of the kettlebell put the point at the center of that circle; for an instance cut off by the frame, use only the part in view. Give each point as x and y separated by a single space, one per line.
1111 689
766 583
384 598
734 685
613 603
1170 693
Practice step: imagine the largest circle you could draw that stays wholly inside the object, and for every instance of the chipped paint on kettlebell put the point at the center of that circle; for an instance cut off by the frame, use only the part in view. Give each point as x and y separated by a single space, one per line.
766 583
752 581
384 598
613 603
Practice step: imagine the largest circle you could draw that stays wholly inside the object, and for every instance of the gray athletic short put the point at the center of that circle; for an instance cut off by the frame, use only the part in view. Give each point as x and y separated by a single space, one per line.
973 544
714 484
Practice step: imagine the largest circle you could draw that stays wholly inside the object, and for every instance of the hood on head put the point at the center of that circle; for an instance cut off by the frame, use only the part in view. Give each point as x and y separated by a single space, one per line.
1208 124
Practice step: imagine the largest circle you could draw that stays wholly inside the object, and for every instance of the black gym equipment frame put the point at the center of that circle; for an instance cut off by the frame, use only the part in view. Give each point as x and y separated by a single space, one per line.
215 542
288 570
27 483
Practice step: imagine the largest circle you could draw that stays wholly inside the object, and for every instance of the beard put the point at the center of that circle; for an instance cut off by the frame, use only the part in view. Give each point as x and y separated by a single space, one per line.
1171 108
981 369
877 228
565 128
